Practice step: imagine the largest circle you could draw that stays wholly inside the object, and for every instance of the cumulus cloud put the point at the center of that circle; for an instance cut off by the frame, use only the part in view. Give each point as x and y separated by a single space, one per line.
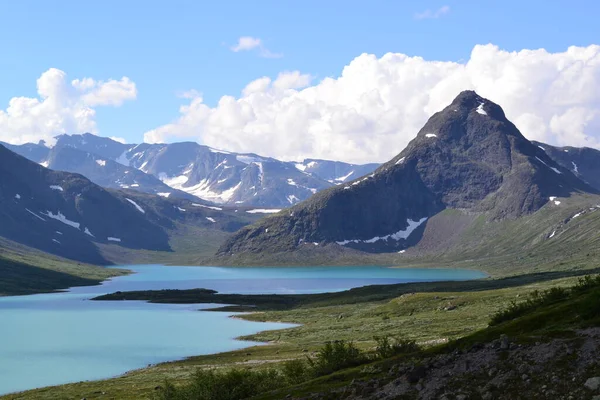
248 43
377 105
433 14
61 107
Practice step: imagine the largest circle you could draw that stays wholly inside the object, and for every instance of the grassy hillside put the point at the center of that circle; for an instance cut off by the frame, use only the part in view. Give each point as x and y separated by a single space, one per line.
27 271
461 239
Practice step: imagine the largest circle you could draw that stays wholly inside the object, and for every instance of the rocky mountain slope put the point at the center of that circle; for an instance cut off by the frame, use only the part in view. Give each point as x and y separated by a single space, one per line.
67 215
197 170
109 173
467 157
582 161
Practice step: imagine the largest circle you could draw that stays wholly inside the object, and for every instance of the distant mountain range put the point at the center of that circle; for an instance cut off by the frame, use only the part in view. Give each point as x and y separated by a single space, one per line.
67 215
582 161
468 157
189 170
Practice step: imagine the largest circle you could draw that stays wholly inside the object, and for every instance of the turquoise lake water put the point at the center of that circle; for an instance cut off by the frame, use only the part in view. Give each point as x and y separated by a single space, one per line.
51 339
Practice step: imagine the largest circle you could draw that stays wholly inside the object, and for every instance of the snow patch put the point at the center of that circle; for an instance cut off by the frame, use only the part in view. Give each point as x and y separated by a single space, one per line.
552 168
300 167
553 199
552 235
143 166
575 169
164 194
123 160
34 214
45 164
101 163
430 135
113 239
542 148
401 234
400 161
56 187
209 207
343 178
175 182
55 241
264 211
87 232
59 233
292 199
17 196
246 159
60 217
480 110
211 219
181 209
136 205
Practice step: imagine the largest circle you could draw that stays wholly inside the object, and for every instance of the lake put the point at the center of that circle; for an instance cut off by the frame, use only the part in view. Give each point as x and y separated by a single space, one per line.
51 339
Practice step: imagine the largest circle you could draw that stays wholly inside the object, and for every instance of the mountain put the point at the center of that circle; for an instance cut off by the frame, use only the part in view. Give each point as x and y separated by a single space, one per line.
108 173
335 171
582 161
67 215
468 157
36 152
225 177
189 170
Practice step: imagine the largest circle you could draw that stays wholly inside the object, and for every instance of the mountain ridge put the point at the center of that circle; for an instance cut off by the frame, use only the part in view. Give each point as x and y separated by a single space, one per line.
467 156
191 169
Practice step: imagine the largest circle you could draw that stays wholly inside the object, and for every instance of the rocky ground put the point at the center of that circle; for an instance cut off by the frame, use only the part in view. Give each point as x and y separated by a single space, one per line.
562 368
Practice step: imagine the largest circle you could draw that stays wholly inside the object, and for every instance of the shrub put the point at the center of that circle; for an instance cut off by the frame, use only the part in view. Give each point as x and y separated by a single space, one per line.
535 300
233 384
335 356
586 283
296 371
389 347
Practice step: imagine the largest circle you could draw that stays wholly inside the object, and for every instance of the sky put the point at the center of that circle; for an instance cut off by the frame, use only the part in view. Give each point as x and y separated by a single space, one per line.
350 80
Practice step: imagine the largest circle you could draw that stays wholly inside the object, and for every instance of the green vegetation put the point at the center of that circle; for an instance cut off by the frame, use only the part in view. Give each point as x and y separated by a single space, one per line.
24 271
428 314
234 384
537 299
555 312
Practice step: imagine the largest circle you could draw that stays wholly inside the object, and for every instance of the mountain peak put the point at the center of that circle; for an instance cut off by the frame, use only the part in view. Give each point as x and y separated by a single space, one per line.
470 101
467 157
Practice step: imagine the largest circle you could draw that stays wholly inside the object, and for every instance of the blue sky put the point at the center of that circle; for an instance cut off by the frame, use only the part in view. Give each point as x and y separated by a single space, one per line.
170 47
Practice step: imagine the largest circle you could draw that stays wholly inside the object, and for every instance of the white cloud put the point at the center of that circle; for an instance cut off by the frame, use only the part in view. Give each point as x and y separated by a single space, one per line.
376 105
247 43
61 107
118 139
433 14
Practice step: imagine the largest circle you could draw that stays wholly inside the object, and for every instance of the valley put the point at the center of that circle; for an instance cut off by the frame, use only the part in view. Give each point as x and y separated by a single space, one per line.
465 222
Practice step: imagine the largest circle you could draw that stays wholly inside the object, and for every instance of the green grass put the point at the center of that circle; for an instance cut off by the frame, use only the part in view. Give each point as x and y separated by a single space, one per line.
26 271
422 316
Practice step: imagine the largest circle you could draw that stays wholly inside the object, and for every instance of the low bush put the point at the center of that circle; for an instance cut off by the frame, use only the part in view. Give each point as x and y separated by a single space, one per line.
537 299
389 347
335 356
296 371
234 384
